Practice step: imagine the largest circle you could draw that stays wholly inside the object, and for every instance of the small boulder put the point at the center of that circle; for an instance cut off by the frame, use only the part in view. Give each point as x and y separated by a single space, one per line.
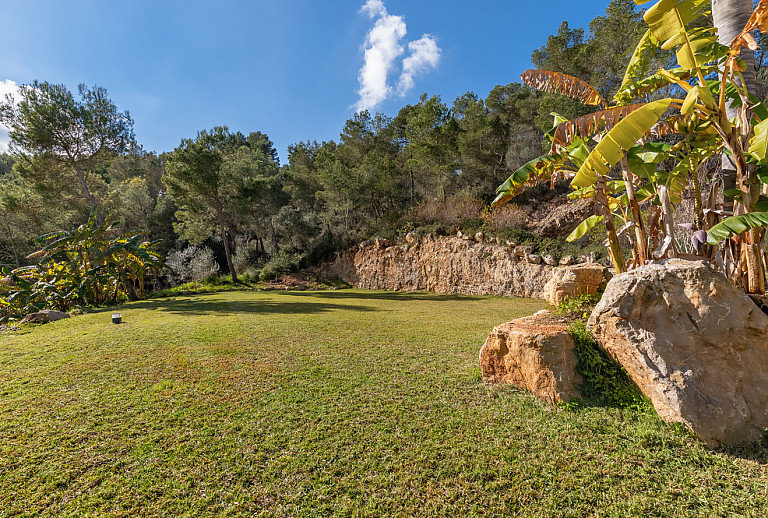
410 237
566 261
44 317
511 244
522 251
549 260
533 258
693 343
467 237
479 237
574 281
535 354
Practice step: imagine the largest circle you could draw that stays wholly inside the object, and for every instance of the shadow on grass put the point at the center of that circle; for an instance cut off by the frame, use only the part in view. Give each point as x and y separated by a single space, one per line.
387 295
202 305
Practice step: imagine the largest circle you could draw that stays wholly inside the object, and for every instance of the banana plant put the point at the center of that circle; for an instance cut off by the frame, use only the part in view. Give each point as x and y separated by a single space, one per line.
91 265
744 139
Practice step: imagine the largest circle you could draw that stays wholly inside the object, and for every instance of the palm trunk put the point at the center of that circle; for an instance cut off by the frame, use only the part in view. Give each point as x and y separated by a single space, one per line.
730 17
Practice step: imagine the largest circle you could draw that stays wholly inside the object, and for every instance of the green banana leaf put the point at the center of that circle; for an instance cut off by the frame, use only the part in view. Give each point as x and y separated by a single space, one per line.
618 141
584 227
735 225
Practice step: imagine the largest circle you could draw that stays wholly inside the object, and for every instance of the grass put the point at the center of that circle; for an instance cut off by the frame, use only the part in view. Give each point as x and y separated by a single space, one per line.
345 403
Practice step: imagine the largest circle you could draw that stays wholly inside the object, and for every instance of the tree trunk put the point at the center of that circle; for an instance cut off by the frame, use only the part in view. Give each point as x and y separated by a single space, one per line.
228 253
634 208
86 191
730 17
272 233
13 242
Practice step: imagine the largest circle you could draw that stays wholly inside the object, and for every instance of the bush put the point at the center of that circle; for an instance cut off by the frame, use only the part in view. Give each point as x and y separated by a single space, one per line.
190 265
281 263
556 247
604 381
452 212
504 217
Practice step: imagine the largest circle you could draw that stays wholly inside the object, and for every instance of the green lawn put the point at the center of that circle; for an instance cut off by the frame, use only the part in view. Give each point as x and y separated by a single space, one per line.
348 403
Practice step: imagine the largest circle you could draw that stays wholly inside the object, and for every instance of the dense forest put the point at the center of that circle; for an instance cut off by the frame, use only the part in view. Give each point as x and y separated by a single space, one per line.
221 201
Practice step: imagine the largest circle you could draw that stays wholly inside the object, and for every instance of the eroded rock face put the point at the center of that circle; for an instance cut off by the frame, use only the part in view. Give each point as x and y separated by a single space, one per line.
535 354
693 343
573 281
441 265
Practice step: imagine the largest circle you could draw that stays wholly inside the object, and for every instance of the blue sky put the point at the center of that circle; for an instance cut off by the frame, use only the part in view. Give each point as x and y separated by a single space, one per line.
290 68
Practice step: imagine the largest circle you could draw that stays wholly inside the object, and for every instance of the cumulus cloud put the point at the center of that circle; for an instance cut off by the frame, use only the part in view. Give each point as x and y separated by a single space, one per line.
425 54
6 87
383 48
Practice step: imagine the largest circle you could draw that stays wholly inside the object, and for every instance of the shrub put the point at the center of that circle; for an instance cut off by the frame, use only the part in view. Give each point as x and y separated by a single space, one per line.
281 263
452 212
604 381
191 264
504 217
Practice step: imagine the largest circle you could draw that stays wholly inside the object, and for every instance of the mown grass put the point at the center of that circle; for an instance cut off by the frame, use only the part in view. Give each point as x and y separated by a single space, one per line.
345 403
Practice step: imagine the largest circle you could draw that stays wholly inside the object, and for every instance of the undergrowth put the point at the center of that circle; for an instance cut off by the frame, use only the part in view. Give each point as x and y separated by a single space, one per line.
604 382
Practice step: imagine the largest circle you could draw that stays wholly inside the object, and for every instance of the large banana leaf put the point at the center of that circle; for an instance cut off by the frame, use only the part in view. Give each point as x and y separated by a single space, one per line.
667 20
563 84
640 60
589 125
758 144
616 142
735 225
584 227
526 175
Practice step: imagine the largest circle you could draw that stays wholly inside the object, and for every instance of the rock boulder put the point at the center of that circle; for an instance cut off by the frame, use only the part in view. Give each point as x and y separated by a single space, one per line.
43 317
693 343
573 281
535 354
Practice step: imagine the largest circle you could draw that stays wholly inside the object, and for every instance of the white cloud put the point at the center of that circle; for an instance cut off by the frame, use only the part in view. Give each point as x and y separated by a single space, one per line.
374 8
6 87
383 47
425 54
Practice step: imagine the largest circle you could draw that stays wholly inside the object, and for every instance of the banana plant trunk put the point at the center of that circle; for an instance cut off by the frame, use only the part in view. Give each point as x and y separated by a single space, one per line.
730 17
614 247
641 237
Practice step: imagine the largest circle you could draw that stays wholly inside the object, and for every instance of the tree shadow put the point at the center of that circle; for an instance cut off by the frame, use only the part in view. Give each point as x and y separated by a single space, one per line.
202 305
404 296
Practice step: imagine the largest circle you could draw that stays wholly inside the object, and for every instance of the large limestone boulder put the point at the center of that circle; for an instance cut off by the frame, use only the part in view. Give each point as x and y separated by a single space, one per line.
693 343
535 354
573 281
43 317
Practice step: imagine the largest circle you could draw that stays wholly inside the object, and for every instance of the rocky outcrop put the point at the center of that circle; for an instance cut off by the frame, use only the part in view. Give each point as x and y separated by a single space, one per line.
535 354
440 264
555 218
43 317
693 343
574 281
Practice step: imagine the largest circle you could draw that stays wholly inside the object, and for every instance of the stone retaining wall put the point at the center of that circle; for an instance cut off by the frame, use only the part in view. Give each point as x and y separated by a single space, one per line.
443 265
